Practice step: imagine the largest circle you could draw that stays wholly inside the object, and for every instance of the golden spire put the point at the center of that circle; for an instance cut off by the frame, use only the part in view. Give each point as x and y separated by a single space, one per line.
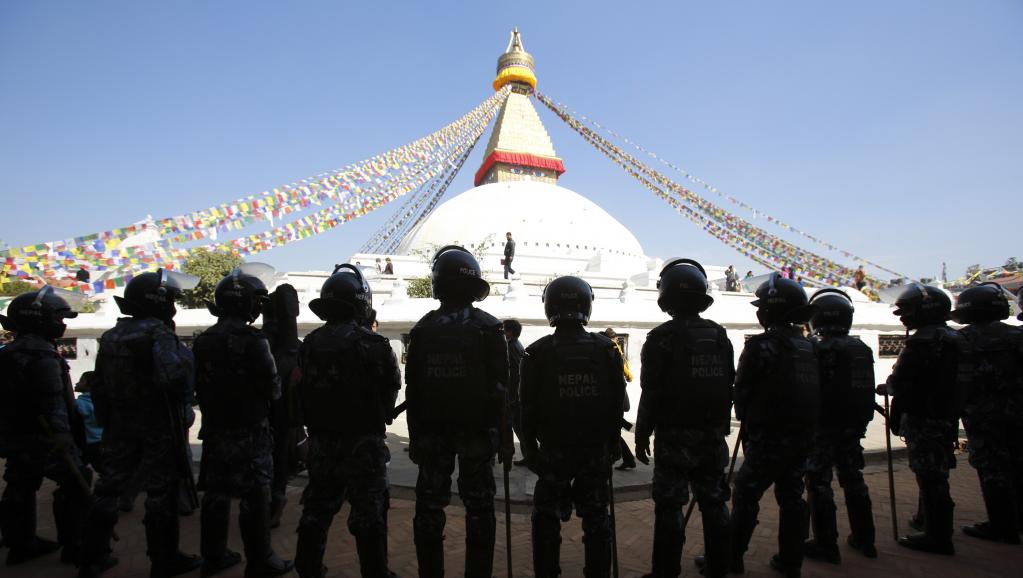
515 65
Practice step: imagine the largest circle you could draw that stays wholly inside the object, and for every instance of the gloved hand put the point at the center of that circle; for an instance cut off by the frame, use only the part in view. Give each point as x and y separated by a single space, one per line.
643 450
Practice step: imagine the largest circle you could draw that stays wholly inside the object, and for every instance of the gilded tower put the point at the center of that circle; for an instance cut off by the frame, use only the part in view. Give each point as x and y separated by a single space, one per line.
519 148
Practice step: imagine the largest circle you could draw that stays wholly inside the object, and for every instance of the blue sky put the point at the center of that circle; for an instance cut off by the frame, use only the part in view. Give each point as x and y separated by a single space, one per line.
892 129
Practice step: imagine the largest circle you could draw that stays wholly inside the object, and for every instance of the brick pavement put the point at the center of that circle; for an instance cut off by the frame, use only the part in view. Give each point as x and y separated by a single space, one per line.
974 557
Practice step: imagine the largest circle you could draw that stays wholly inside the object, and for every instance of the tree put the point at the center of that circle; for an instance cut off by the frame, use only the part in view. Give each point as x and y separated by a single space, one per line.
1012 264
210 268
15 287
420 287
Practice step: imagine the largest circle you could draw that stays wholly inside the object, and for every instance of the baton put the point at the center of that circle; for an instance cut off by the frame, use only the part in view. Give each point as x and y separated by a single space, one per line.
891 472
614 525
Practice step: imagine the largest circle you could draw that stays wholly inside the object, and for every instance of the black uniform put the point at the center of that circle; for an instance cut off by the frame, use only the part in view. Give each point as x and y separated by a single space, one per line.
143 374
573 388
235 385
993 418
35 388
350 380
929 381
847 406
515 354
279 324
455 377
687 375
777 397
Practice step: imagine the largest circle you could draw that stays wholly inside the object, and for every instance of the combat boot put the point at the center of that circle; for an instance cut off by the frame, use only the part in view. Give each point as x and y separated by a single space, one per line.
480 531
716 539
667 550
1002 524
309 552
741 530
787 571
97 568
68 516
791 533
596 556
937 539
861 523
546 554
162 537
372 549
18 525
214 518
824 545
430 556
254 522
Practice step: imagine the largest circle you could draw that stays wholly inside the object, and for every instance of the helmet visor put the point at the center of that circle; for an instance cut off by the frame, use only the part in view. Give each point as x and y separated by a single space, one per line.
178 280
75 301
261 271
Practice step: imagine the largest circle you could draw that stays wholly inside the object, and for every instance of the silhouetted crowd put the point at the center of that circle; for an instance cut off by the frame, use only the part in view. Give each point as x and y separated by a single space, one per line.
803 401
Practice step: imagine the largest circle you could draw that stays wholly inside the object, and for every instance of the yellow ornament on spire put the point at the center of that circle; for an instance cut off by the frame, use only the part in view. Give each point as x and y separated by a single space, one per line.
515 65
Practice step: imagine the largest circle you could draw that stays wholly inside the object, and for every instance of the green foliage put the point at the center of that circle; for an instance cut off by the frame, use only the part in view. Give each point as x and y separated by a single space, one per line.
210 268
420 287
15 287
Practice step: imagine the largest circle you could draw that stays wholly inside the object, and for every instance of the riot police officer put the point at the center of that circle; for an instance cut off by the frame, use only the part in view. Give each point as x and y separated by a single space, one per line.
847 406
236 381
280 324
687 376
572 394
143 375
993 415
455 378
36 429
929 382
350 381
777 397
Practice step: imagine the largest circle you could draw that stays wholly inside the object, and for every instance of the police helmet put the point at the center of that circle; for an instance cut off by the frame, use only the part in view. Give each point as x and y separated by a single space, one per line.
921 305
152 294
980 304
344 294
241 295
39 312
567 298
682 287
833 312
781 300
456 275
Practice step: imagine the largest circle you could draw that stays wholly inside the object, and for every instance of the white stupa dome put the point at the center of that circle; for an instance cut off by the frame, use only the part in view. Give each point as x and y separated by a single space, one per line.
557 231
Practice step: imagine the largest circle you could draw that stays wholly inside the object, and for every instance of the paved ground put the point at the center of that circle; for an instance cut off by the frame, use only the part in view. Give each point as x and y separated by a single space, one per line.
974 557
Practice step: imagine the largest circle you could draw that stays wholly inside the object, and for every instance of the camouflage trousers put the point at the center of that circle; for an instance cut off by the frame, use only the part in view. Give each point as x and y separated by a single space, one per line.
684 458
26 466
236 461
930 443
146 450
996 449
352 469
436 454
839 451
572 477
772 457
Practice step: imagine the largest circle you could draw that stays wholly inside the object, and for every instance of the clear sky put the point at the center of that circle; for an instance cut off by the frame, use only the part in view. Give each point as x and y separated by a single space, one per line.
892 129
